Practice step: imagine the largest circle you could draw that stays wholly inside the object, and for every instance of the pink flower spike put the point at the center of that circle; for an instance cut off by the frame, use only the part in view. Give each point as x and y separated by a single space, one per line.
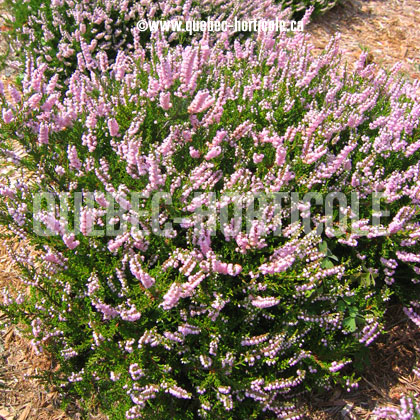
113 127
70 241
74 160
213 153
201 102
257 158
267 302
165 100
194 153
7 116
138 272
43 134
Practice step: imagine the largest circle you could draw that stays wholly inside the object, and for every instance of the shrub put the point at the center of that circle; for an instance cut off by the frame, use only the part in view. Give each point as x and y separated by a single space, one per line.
61 32
52 30
208 318
298 7
409 410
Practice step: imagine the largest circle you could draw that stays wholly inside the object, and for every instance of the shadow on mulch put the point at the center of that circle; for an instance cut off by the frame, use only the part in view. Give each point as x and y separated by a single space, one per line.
350 11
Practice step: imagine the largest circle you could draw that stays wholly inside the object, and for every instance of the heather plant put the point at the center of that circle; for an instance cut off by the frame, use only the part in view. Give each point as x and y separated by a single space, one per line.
409 409
65 34
194 312
298 7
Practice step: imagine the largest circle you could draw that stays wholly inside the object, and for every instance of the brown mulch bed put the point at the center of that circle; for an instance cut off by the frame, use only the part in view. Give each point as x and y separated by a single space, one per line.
390 31
21 396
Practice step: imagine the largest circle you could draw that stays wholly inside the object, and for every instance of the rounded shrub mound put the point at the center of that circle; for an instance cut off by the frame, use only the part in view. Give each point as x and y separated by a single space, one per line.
214 232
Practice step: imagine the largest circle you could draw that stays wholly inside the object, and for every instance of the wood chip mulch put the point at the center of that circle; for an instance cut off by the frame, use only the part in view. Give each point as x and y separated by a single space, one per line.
388 29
